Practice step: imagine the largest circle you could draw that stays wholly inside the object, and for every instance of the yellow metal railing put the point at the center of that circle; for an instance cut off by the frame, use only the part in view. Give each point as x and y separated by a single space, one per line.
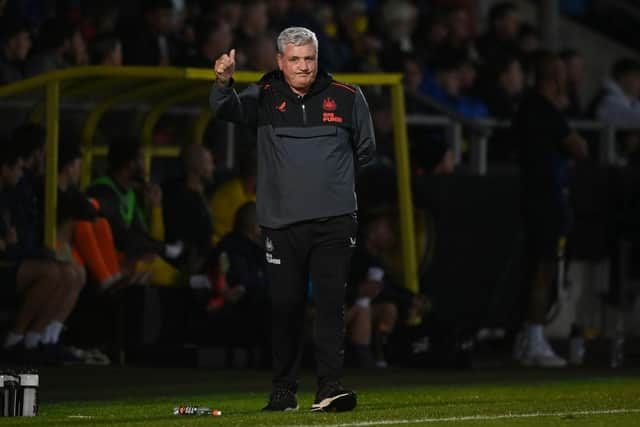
157 82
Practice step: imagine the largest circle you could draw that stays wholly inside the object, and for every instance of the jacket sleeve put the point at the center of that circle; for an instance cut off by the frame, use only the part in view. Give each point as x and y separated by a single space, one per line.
230 106
364 140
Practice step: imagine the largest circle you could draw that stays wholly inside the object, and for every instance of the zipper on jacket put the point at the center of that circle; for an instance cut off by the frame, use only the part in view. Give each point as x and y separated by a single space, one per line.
304 110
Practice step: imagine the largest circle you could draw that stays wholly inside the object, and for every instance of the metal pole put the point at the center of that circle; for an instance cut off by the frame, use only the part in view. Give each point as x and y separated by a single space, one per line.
479 155
51 170
405 199
607 145
454 133
231 145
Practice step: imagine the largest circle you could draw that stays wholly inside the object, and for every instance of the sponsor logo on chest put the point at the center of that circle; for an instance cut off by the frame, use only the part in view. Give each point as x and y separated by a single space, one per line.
329 107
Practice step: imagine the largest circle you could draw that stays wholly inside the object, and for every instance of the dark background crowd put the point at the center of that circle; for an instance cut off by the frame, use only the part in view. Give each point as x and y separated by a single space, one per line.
183 261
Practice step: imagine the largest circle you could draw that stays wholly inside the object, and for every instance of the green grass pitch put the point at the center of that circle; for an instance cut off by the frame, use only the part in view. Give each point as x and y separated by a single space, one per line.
134 396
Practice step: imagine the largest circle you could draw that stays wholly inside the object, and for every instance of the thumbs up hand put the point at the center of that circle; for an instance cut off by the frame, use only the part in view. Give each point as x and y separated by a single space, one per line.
225 66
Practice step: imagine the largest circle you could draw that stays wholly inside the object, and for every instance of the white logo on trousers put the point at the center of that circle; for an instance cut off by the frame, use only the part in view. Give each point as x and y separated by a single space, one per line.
272 260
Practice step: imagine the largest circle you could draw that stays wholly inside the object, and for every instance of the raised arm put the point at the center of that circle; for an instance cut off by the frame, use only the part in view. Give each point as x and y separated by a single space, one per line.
225 101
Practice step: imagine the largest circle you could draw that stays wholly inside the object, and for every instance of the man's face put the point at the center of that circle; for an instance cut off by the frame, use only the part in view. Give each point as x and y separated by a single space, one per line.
509 26
299 64
19 45
206 166
412 74
575 70
450 81
631 84
561 77
115 57
74 171
459 25
161 20
513 78
11 174
136 169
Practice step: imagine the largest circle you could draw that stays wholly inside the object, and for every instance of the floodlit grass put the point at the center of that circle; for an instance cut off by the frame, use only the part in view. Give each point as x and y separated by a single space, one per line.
82 396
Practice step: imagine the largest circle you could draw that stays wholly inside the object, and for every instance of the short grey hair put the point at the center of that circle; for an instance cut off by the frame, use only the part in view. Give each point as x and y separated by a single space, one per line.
296 36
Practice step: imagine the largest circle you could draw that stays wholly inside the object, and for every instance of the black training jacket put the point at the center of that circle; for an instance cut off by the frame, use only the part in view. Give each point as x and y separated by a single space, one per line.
308 147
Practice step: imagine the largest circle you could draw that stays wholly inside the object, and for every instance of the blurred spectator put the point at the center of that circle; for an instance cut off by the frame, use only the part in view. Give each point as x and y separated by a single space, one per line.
399 19
528 39
30 140
118 195
233 194
254 23
353 47
431 37
445 84
262 54
54 47
619 103
278 14
44 290
186 213
150 42
308 14
502 91
459 41
369 322
72 206
16 43
244 248
375 301
213 38
84 238
503 87
468 76
105 49
247 296
382 117
502 34
574 63
79 53
230 11
546 144
100 18
529 43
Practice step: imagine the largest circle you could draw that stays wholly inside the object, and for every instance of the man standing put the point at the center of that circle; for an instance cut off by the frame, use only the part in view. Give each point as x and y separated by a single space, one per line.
313 133
546 146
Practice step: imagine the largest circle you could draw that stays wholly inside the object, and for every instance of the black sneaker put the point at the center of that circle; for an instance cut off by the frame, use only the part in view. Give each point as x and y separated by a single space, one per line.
282 399
332 397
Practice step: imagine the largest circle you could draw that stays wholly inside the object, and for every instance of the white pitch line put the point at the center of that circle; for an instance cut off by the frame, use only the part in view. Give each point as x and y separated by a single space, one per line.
477 418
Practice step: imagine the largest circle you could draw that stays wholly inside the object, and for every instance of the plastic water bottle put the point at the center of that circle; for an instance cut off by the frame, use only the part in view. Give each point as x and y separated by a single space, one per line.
10 386
2 405
29 382
196 410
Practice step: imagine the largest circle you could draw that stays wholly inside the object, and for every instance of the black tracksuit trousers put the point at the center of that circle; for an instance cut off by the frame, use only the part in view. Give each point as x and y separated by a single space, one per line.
319 250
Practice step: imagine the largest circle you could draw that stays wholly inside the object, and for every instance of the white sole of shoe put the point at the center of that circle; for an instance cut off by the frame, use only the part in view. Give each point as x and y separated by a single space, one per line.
339 403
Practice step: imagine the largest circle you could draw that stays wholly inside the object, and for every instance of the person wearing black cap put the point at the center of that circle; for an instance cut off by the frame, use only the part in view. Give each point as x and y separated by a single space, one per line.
15 41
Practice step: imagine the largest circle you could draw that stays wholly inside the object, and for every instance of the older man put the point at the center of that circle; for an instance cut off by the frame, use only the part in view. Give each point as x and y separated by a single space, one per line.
313 133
